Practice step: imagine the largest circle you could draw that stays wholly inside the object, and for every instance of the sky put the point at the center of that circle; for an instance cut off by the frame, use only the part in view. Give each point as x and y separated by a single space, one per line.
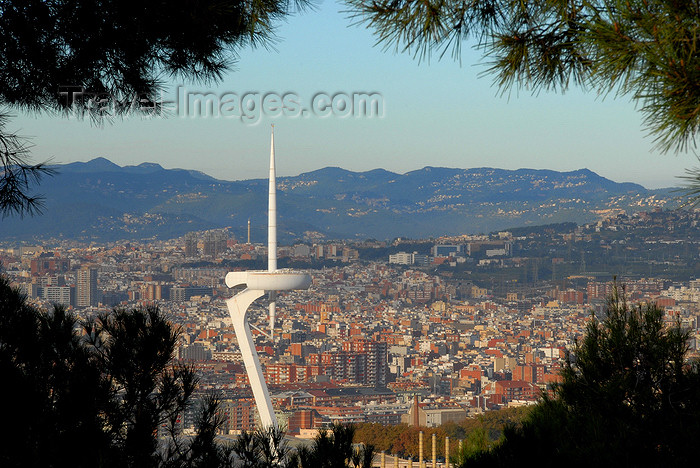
436 113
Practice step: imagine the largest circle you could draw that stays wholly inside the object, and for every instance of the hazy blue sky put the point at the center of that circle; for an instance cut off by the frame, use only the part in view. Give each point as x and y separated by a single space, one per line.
437 113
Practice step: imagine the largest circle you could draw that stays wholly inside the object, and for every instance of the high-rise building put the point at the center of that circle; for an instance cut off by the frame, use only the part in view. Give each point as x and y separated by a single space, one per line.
86 288
360 361
238 415
214 243
190 245
377 359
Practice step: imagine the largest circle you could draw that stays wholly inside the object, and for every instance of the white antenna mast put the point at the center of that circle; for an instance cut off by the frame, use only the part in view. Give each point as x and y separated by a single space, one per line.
256 284
272 230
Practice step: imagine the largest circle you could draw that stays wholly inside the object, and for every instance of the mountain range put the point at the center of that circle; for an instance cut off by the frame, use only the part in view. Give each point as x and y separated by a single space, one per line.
102 201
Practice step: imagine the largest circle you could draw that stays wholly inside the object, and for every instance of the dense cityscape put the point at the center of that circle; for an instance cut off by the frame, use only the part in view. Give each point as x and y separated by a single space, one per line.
468 256
422 332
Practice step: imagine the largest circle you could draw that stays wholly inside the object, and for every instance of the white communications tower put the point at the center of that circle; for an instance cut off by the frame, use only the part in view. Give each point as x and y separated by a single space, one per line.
256 284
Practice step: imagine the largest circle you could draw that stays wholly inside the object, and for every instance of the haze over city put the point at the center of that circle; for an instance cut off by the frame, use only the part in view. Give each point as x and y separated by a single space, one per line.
436 111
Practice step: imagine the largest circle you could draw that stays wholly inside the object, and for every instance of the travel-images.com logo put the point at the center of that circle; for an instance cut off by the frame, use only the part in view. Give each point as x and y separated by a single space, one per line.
248 107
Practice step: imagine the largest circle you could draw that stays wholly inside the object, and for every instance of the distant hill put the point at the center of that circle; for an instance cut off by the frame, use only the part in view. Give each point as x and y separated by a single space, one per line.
99 200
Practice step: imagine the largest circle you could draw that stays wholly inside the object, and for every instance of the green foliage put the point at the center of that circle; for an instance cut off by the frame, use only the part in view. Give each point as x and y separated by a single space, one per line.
104 393
492 422
691 187
418 27
384 438
630 363
647 50
476 443
643 49
628 398
403 439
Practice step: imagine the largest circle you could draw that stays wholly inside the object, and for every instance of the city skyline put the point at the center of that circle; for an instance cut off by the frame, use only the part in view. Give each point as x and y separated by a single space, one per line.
474 324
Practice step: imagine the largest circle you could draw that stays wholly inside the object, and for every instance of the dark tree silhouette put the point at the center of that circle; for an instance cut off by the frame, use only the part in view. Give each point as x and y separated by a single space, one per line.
53 391
263 448
104 393
104 58
334 449
646 50
629 397
17 175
